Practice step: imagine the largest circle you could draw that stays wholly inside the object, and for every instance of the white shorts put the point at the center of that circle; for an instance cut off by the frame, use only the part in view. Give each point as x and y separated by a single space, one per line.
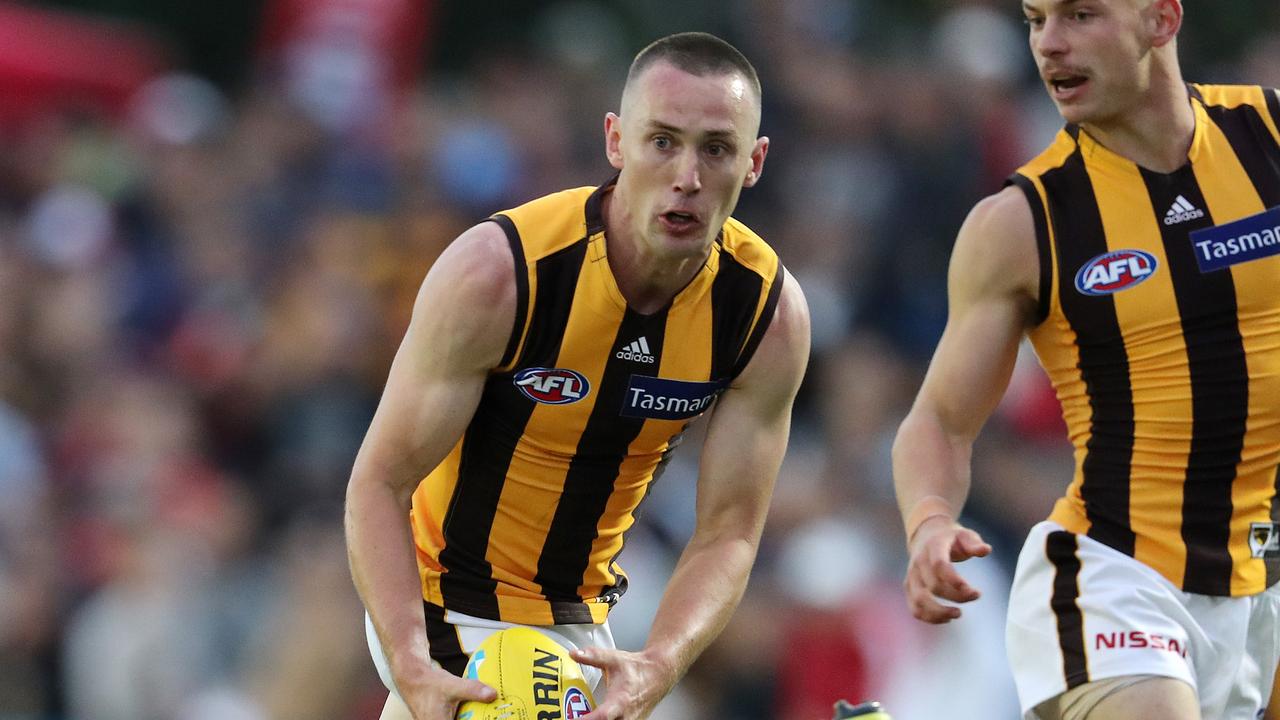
453 636
1080 611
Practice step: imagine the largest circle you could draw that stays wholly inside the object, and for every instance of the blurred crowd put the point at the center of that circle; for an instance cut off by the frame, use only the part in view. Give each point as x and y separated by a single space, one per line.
202 287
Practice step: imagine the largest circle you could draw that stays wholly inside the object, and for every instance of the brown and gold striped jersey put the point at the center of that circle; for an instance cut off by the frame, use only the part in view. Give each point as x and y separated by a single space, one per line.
523 521
1160 329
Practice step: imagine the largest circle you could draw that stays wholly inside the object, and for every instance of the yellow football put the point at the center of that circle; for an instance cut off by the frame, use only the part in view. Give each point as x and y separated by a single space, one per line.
534 676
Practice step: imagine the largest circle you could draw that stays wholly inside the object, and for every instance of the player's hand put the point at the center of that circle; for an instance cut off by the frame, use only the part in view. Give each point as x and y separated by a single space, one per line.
931 574
636 682
436 693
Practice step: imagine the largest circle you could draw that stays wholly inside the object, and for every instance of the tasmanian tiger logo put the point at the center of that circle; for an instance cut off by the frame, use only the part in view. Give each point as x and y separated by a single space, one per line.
1264 541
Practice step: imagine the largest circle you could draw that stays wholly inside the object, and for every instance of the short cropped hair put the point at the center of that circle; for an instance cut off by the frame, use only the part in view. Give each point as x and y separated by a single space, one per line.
696 53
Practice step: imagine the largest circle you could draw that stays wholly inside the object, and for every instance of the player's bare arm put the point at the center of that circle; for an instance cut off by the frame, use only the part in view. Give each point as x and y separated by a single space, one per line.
461 322
992 289
745 443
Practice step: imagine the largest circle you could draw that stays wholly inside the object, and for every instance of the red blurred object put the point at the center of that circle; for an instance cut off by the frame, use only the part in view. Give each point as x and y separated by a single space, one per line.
395 30
1030 404
823 661
57 61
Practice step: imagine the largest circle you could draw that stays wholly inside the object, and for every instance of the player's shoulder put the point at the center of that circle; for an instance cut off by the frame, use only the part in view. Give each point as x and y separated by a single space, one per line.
1231 96
996 248
777 366
478 267
783 312
464 309
748 248
552 202
1054 156
547 224
1001 218
791 319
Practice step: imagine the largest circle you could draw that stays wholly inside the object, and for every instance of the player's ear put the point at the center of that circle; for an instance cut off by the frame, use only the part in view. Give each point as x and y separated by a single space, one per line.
613 139
1164 20
758 153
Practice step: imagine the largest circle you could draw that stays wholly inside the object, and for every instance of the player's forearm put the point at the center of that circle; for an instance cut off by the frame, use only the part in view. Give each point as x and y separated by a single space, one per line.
380 551
930 469
702 594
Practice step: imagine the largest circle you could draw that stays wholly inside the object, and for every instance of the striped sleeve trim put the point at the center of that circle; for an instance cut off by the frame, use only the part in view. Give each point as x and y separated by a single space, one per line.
1042 243
762 323
521 321
1272 97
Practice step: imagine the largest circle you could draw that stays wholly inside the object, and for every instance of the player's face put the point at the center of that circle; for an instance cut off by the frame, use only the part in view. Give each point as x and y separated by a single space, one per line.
1091 54
686 145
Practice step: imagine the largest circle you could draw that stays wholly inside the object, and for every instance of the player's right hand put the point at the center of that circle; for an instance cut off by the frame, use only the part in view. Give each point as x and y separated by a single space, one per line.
436 693
931 574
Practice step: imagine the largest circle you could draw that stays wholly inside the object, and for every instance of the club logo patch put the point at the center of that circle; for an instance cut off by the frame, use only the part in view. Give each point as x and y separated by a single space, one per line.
552 386
575 704
1115 271
1264 540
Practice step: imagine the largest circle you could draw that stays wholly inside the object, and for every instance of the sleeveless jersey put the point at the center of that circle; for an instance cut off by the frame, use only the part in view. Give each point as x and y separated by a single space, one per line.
1160 329
524 519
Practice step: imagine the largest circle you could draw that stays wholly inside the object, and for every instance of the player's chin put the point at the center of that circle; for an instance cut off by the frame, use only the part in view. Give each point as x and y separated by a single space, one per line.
1079 113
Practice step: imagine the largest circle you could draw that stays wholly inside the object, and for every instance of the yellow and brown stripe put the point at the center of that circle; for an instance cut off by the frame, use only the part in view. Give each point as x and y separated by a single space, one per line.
524 520
1169 385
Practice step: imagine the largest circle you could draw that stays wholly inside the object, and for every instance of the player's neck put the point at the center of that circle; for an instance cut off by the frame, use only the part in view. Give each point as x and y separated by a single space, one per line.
1156 131
647 279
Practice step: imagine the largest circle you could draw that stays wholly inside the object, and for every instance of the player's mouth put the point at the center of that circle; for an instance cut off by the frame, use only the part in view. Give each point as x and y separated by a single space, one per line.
1066 87
679 222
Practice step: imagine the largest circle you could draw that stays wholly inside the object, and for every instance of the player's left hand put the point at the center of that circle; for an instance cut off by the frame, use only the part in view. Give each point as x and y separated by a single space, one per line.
636 682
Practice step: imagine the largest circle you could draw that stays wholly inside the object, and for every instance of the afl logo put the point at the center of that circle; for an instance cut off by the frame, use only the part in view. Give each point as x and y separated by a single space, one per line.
1115 271
575 704
552 386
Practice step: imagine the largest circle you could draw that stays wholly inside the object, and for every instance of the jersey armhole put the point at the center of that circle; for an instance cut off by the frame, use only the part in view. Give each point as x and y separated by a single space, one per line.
762 322
1273 108
520 322
1028 189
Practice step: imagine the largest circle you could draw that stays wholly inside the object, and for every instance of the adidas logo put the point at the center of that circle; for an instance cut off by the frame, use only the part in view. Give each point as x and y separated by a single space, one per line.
637 351
1182 211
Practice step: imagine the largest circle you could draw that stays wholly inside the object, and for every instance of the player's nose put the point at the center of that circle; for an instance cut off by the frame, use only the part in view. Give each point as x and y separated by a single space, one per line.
688 178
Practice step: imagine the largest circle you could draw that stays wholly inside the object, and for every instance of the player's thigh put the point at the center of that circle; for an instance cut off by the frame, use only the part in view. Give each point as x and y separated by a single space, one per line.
1151 699
395 709
1080 702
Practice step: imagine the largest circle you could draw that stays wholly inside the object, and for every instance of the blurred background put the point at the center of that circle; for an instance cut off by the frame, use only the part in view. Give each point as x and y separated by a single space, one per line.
213 221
